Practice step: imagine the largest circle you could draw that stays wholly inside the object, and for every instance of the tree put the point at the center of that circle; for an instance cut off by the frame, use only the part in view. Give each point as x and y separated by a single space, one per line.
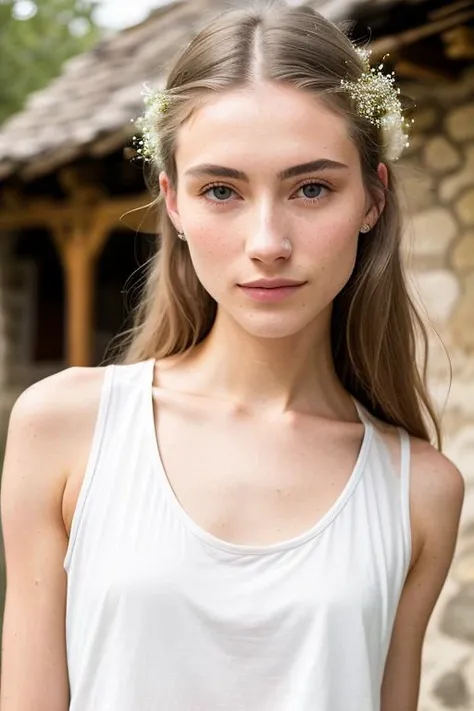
36 37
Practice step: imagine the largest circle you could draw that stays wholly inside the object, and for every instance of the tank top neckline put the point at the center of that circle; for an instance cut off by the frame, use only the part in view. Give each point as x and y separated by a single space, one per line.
246 549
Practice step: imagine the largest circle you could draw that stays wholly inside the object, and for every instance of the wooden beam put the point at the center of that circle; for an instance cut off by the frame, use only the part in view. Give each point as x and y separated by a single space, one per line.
449 9
48 213
411 69
459 43
385 45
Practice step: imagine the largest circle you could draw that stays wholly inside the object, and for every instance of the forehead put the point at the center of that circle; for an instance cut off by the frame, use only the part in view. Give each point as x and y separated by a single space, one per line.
264 124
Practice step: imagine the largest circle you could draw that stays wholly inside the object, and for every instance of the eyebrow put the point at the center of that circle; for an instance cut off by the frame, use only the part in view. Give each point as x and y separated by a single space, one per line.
220 171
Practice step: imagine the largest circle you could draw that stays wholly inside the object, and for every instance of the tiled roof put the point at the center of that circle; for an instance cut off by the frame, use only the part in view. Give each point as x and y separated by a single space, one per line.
89 107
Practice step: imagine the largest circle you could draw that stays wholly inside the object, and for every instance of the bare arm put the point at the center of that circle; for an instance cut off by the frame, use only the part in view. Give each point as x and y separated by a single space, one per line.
437 496
50 426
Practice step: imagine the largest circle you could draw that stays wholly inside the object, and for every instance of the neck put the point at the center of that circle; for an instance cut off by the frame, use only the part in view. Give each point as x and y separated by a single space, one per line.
295 373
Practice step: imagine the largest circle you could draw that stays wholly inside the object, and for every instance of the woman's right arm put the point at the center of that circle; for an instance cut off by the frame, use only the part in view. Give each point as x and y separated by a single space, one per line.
34 669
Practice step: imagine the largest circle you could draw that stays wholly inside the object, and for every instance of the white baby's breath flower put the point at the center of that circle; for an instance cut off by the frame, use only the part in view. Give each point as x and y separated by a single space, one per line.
147 142
377 99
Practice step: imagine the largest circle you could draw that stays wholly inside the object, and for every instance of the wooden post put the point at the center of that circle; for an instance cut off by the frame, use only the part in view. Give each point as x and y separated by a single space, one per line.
80 241
79 272
80 227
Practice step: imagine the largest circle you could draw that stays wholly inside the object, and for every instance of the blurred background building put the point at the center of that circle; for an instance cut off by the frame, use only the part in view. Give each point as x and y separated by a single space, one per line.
66 256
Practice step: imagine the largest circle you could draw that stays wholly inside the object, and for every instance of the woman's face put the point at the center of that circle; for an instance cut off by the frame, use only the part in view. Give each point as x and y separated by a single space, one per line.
269 188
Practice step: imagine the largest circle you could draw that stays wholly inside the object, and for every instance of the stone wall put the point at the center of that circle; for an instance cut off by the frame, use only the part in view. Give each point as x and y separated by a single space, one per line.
437 174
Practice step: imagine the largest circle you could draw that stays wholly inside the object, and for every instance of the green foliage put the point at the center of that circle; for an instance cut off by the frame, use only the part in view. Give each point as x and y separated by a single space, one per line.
33 48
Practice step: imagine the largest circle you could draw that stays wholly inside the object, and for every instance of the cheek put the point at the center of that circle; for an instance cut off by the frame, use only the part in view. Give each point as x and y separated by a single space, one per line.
213 250
338 232
333 244
332 252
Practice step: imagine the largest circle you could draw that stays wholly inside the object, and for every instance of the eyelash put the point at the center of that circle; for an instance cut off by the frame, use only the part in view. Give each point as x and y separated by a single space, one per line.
226 202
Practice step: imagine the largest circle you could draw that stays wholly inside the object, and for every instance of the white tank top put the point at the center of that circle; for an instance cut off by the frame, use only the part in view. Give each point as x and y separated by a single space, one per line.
164 616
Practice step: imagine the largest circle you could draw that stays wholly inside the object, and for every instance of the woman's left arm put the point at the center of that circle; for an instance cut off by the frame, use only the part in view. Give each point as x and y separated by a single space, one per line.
436 497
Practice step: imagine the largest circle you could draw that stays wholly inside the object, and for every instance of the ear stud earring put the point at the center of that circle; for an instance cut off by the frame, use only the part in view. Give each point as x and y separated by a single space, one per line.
364 229
182 236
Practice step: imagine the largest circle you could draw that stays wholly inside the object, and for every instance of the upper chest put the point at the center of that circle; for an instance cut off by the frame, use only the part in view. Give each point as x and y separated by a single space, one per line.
248 481
254 481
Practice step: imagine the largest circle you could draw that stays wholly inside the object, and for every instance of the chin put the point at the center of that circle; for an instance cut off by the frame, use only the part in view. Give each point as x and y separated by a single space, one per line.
272 326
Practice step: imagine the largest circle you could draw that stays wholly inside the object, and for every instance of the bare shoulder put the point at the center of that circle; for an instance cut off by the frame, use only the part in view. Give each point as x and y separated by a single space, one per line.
53 419
426 459
68 392
437 494
434 479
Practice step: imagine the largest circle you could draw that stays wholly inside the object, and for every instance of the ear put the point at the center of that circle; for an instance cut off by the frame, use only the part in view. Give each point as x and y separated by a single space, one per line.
170 198
376 208
382 172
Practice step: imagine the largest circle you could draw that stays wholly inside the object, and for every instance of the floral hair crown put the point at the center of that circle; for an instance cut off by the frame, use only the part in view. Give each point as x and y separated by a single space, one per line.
377 99
374 95
147 142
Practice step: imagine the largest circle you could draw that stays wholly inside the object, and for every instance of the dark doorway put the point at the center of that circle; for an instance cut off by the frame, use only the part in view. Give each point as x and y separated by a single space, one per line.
119 277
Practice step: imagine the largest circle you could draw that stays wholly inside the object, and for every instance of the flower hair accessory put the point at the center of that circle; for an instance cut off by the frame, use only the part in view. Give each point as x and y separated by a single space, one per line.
147 142
374 94
377 99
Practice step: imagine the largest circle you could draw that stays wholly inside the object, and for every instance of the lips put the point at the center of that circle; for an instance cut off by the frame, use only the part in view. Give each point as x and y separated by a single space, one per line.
270 291
271 283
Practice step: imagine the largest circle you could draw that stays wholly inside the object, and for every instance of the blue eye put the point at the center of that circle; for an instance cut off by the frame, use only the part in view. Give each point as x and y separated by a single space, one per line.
222 193
312 190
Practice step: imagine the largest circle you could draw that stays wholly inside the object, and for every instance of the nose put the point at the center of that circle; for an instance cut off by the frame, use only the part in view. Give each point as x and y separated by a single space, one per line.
268 239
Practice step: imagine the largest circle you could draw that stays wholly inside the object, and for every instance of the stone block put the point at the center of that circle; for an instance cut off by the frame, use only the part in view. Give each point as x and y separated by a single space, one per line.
465 207
462 321
434 230
460 123
458 620
463 568
460 449
453 93
439 291
451 187
469 671
462 257
461 394
417 187
425 118
447 93
452 690
440 156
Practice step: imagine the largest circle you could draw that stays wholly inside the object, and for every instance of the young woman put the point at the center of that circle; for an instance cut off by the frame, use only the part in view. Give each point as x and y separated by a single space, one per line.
245 514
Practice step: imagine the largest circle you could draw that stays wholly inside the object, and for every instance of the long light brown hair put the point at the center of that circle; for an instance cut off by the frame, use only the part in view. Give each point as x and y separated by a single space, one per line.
375 328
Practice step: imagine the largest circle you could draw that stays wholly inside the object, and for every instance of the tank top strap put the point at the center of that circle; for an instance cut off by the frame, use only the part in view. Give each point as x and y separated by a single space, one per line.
119 422
97 444
363 415
149 373
405 486
404 457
